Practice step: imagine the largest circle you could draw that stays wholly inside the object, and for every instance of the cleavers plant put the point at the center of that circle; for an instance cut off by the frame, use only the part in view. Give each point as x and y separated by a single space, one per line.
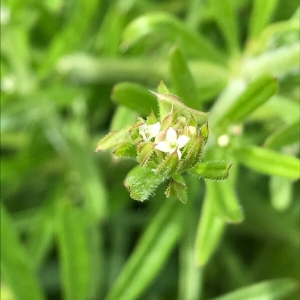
72 71
165 147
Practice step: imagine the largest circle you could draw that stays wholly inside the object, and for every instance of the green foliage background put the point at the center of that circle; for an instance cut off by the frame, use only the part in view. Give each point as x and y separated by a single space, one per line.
69 229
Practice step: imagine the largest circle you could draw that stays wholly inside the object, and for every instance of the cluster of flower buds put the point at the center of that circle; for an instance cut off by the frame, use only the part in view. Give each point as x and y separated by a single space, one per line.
165 147
172 145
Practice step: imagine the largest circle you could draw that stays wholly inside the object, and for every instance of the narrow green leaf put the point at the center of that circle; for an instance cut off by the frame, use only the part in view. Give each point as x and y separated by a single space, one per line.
281 190
177 188
257 93
216 170
166 24
268 162
184 85
226 18
168 166
15 266
126 150
286 135
209 232
145 151
268 290
142 182
73 251
192 155
162 88
225 201
113 139
151 253
132 95
261 15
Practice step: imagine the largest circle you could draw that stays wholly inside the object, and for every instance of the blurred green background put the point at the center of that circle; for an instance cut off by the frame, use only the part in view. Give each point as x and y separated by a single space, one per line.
69 229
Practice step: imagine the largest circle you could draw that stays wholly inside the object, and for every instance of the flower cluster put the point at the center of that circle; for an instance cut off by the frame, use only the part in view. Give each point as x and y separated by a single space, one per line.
172 145
165 147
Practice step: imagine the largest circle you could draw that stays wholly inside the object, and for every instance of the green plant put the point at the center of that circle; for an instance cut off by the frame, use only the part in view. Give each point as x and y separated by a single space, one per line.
165 148
68 227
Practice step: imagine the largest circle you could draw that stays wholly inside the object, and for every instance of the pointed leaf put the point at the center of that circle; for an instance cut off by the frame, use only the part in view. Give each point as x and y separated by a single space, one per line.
268 161
113 139
216 170
168 166
177 188
126 150
162 88
182 79
132 95
225 201
142 183
193 154
145 150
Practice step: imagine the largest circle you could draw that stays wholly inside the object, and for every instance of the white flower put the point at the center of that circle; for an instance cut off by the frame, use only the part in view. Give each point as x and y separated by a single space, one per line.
172 143
149 131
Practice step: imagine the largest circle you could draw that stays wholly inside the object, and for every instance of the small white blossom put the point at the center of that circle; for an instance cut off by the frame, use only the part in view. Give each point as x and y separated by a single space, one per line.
149 131
172 143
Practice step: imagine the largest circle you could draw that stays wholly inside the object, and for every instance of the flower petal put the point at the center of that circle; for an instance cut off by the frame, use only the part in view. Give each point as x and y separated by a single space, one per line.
163 146
182 141
142 127
142 131
171 135
154 129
